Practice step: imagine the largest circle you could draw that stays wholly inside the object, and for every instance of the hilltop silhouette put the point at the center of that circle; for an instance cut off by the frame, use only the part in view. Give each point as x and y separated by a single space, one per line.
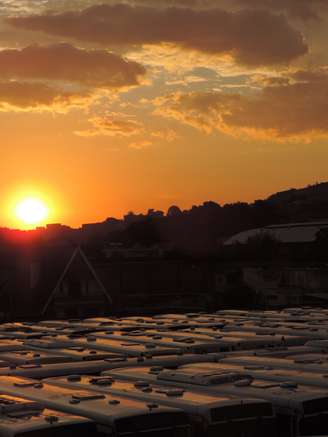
197 230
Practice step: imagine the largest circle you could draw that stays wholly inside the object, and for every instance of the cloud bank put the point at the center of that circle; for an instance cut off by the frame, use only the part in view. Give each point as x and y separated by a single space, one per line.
295 110
253 37
60 74
95 68
25 96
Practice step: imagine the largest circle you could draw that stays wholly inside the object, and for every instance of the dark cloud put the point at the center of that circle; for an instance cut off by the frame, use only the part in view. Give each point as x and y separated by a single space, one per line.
301 9
320 74
297 110
64 62
60 76
25 96
252 37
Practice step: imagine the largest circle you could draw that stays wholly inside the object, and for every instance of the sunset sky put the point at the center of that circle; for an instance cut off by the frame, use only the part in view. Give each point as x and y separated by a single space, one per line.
108 107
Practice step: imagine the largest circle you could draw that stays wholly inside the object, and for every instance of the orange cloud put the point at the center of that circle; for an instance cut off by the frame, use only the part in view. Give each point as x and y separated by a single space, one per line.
294 111
95 68
168 135
252 37
122 125
25 96
113 125
140 145
60 76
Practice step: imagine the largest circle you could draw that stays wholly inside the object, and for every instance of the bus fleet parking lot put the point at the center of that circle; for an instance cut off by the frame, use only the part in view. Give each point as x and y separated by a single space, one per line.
230 373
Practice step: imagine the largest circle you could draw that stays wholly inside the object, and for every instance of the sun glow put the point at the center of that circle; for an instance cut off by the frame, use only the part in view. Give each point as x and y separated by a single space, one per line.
31 211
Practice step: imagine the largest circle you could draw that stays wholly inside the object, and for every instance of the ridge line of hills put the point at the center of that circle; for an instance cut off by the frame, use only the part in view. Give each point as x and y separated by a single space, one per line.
201 228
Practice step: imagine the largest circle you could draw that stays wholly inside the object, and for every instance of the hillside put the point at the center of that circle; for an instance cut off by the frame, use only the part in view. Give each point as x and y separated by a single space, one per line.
197 230
304 204
311 193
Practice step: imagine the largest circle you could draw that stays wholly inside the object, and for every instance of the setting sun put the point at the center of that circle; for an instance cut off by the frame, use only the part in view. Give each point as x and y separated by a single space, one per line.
31 211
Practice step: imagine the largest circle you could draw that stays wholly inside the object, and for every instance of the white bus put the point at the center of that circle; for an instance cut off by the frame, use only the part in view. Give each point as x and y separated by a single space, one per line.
297 407
116 416
210 415
25 418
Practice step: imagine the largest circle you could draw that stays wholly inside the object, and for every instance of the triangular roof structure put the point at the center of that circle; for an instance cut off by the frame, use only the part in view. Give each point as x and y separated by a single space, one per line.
78 252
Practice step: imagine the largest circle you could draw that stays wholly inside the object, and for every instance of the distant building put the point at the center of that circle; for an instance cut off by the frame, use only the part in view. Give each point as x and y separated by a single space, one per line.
132 218
101 230
62 281
155 214
280 287
174 211
52 281
119 251
285 233
78 290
